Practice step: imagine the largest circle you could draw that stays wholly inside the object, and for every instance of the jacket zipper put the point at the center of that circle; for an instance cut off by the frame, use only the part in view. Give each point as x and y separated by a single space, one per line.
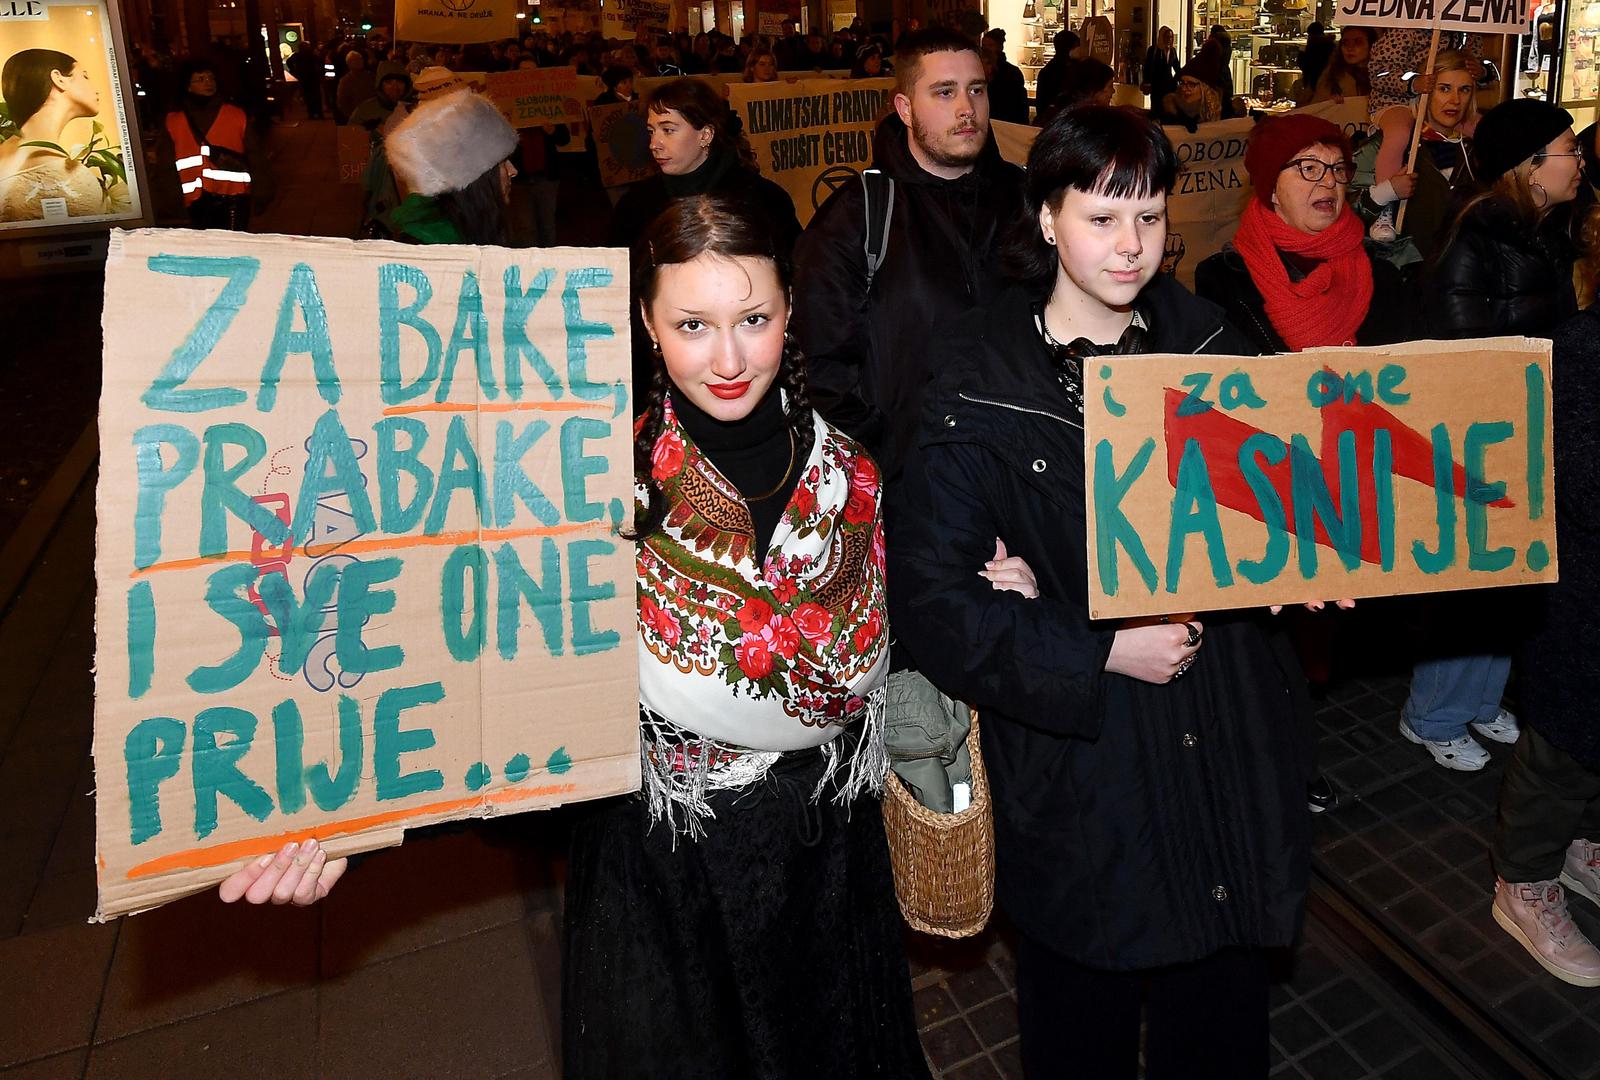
1043 412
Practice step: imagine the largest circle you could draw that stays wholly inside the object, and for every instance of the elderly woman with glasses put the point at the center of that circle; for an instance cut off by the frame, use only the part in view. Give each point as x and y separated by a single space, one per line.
1298 273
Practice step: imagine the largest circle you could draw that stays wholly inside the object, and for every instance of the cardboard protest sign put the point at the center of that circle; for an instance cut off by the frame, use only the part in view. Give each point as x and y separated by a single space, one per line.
357 557
813 136
355 152
624 19
1229 482
1207 201
1471 16
438 81
455 22
622 146
532 97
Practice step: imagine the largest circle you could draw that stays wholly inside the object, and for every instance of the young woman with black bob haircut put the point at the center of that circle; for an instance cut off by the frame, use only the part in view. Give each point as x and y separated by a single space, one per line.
1149 780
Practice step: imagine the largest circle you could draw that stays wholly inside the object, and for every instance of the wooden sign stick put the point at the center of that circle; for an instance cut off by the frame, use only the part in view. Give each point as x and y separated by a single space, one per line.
1422 120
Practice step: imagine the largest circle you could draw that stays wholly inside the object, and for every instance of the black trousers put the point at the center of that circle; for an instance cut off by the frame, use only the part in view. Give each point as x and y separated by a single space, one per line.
1206 1020
1547 800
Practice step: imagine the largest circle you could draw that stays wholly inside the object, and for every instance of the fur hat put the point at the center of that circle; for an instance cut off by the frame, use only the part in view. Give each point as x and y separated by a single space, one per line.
1275 141
448 142
1514 131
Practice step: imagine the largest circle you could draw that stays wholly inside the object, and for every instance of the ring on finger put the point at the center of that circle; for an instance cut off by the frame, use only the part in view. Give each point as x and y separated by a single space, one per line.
1184 666
1194 635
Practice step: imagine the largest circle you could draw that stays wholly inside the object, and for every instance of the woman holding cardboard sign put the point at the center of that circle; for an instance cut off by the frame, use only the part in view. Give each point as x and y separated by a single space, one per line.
1149 780
737 918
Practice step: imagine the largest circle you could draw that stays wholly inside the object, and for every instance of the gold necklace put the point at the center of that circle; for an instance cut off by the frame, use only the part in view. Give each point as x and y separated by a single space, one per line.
787 470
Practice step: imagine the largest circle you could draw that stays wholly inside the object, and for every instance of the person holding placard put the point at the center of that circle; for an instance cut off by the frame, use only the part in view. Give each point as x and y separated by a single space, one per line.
1149 780
1506 268
1397 58
1443 165
736 918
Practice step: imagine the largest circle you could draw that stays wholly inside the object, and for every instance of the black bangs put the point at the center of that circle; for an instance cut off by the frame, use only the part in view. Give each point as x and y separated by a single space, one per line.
1095 149
1100 149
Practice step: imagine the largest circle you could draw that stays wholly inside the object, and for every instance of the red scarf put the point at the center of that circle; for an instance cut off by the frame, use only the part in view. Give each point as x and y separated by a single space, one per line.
1328 304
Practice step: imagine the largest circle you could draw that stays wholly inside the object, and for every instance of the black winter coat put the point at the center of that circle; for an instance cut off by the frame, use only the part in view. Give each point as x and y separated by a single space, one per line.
1225 280
1557 658
1136 825
1497 277
867 356
723 175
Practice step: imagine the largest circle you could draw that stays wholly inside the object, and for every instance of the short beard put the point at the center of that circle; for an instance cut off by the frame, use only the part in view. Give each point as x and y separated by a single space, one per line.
940 157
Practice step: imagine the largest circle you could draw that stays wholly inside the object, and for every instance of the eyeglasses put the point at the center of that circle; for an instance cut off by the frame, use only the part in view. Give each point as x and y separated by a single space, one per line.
1312 170
1190 84
1570 153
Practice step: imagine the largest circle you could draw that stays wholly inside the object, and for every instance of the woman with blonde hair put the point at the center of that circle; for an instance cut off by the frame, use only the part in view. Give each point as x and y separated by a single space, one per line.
1443 164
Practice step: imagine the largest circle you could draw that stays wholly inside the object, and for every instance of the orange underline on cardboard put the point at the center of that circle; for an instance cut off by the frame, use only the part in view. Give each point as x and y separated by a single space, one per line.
496 406
240 850
356 547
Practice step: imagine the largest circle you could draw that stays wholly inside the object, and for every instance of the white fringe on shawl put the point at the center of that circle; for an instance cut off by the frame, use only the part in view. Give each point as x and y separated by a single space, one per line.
680 796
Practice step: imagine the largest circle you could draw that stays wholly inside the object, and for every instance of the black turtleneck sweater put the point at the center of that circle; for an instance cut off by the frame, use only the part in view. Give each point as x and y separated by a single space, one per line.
753 454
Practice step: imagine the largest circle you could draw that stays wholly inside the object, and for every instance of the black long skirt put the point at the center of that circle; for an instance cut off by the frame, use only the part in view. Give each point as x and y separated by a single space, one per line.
768 948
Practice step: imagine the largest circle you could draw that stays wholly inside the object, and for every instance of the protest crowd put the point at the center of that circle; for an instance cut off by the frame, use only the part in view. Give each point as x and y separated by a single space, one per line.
864 420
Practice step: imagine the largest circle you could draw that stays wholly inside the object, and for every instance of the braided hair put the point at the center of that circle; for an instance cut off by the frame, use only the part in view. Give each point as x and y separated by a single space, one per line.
728 228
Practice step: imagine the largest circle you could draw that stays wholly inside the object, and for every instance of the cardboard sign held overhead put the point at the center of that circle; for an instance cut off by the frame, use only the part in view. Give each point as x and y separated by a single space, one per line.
357 558
455 22
812 136
533 97
1470 16
1229 482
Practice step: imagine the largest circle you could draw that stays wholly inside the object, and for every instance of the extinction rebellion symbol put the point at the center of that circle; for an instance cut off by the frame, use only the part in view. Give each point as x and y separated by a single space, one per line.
830 180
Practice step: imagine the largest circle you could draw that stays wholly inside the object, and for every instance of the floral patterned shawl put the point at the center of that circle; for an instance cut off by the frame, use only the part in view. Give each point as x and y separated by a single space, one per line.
741 659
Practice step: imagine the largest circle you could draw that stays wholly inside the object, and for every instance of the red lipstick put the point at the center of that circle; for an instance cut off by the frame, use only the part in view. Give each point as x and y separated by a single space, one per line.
729 391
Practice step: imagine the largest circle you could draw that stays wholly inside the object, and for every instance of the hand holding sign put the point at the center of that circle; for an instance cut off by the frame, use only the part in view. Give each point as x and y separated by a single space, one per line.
299 874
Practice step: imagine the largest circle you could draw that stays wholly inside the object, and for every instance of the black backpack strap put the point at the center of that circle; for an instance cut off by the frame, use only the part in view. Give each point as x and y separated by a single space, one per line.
879 191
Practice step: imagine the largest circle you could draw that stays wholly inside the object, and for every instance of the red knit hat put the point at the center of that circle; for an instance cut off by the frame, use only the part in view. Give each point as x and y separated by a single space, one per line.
1276 141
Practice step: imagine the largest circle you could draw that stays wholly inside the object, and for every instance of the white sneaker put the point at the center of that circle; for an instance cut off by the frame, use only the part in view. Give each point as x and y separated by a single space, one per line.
1581 874
1535 914
1382 230
1502 729
1465 754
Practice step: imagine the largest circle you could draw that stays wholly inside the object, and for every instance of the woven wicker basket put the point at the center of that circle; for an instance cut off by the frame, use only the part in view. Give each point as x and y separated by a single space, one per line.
943 863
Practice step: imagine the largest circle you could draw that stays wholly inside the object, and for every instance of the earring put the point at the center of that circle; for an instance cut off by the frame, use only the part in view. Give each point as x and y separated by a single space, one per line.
1540 195
655 348
1051 240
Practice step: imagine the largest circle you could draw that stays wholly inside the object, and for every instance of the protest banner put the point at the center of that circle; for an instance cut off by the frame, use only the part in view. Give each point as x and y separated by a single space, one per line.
1229 482
622 146
438 81
357 556
79 163
1212 189
1471 16
813 136
455 22
532 97
623 20
355 152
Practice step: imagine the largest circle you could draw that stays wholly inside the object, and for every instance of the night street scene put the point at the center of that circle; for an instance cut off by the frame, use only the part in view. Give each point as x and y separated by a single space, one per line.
956 539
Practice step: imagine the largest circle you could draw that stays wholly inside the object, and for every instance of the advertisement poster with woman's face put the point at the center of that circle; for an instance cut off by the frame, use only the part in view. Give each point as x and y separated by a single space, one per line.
65 154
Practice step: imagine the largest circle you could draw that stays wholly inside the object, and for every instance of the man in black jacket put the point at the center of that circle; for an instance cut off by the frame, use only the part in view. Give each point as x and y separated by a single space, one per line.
1008 91
953 199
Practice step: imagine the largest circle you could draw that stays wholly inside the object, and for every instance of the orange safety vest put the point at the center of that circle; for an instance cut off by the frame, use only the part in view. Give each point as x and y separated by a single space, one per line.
216 165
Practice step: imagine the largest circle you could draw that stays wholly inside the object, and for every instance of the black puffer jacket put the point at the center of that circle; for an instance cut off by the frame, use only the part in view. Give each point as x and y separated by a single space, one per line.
1499 277
1225 280
1557 658
1136 824
868 356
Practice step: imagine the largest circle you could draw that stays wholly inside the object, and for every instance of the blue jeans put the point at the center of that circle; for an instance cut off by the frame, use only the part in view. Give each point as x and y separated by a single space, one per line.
1450 692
